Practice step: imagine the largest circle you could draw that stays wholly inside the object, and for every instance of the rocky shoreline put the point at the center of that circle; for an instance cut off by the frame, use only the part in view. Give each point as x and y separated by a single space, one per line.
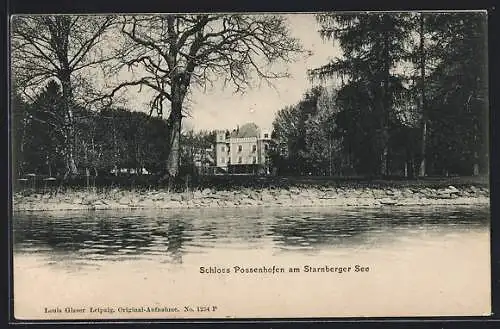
247 197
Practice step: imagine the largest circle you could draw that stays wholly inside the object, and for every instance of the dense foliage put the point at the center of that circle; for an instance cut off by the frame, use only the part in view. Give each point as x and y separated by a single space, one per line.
411 98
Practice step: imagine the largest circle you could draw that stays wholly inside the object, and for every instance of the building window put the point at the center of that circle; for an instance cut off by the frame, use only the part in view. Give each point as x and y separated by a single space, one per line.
239 148
222 160
222 148
254 159
240 160
266 135
254 148
266 147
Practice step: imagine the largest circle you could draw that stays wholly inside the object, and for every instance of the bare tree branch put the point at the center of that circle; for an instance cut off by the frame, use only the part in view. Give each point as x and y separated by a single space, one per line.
169 54
47 47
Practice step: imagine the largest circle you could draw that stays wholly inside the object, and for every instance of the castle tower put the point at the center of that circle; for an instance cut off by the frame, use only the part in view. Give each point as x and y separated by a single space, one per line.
220 136
265 134
221 149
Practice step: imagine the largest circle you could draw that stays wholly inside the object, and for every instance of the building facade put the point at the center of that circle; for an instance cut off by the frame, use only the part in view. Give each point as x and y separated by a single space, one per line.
243 153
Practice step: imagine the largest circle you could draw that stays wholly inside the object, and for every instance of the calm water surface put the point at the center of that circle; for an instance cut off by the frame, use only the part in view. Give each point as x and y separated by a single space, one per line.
154 244
171 236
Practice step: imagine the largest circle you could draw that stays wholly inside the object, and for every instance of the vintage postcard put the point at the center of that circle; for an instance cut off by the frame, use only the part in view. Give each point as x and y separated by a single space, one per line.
239 165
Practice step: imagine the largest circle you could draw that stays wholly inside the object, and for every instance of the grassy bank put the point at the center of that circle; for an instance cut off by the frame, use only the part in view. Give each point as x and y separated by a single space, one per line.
229 182
266 192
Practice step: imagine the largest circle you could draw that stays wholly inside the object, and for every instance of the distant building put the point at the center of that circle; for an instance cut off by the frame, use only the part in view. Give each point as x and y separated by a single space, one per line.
243 151
132 171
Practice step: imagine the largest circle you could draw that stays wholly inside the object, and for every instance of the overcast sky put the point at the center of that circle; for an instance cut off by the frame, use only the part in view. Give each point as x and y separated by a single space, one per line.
222 109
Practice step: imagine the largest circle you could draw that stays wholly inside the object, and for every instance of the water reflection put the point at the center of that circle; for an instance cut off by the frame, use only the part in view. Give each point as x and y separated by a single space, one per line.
367 227
167 236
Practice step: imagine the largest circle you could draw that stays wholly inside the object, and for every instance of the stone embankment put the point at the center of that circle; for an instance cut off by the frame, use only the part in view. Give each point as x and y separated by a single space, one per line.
281 197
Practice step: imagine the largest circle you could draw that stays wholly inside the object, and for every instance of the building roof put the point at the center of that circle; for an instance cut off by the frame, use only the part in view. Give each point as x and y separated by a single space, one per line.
247 130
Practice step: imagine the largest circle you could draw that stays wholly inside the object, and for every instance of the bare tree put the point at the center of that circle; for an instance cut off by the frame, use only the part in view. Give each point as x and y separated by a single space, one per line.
171 53
60 47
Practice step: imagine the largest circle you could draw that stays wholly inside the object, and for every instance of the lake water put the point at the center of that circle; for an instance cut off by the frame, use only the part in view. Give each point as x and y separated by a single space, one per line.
390 261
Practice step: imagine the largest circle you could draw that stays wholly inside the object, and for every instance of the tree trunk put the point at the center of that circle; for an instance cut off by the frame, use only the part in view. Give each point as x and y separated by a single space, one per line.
174 119
475 165
423 98
423 170
385 160
49 166
386 104
475 133
65 79
115 147
475 168
330 171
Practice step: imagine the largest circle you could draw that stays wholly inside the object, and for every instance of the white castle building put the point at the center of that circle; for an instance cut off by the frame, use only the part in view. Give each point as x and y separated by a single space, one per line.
244 150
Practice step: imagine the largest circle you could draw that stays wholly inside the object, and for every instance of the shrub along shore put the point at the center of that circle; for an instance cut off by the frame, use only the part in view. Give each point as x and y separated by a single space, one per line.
292 195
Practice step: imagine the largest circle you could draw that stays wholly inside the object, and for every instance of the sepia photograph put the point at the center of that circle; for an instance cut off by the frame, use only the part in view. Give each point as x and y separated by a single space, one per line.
250 165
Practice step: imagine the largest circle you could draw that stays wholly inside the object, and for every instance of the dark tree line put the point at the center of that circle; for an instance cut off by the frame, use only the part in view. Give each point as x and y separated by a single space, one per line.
105 141
109 142
411 98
